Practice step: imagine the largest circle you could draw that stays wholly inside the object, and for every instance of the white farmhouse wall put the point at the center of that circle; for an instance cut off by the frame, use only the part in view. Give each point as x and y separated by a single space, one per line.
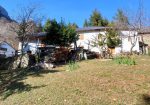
117 50
126 41
32 46
125 46
10 50
89 37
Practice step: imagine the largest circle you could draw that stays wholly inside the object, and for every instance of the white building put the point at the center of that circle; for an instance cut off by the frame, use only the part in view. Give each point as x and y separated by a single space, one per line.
33 43
6 49
88 34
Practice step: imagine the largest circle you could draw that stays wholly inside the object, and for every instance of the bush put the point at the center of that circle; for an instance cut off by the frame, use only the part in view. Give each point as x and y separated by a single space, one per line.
5 63
125 60
72 66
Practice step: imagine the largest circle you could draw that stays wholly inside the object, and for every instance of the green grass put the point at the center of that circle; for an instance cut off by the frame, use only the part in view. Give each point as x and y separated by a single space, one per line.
71 66
128 60
95 82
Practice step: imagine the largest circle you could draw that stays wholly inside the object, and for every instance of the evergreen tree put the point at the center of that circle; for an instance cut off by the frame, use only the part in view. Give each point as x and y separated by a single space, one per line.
105 22
75 25
52 28
112 38
86 24
59 33
96 19
121 20
47 25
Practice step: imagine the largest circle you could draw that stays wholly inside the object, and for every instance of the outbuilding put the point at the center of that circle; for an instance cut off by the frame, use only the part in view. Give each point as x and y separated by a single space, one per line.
6 49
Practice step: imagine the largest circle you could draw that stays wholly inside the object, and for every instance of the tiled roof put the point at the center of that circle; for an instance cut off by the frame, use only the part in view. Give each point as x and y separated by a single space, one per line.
40 34
145 30
91 29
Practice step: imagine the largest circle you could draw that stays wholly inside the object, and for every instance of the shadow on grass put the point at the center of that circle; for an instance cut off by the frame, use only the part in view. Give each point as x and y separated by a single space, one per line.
12 81
40 72
18 87
146 99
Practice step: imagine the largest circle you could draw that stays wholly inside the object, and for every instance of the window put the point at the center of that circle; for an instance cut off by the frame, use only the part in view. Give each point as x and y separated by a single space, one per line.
3 49
81 37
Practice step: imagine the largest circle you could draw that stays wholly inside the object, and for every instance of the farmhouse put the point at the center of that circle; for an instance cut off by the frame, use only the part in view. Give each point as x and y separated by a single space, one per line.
6 49
34 42
88 34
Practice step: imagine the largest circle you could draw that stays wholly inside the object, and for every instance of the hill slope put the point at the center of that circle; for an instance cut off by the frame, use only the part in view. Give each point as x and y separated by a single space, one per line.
6 32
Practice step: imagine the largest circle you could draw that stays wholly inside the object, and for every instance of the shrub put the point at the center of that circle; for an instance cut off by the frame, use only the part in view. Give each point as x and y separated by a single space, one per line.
125 60
5 63
72 66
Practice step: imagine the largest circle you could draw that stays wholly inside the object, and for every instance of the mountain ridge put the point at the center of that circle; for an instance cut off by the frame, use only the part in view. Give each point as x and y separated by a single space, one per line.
6 32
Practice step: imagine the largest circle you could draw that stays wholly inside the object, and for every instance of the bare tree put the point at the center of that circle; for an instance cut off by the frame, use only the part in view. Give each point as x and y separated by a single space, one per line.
133 37
26 23
134 23
138 24
110 39
141 21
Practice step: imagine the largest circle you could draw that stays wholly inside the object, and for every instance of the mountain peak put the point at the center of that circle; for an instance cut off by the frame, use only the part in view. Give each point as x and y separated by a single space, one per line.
4 13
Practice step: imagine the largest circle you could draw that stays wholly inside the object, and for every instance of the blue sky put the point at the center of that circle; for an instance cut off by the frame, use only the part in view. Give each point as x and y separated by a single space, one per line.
74 10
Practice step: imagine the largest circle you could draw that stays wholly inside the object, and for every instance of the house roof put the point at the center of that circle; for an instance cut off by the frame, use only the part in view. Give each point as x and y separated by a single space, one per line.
37 35
2 42
91 29
145 30
40 34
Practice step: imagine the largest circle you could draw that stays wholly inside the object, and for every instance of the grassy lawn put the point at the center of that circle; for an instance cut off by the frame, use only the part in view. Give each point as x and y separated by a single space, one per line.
96 82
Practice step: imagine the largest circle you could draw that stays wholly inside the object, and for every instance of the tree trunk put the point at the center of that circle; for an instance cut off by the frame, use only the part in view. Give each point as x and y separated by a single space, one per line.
20 59
143 46
131 49
75 45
